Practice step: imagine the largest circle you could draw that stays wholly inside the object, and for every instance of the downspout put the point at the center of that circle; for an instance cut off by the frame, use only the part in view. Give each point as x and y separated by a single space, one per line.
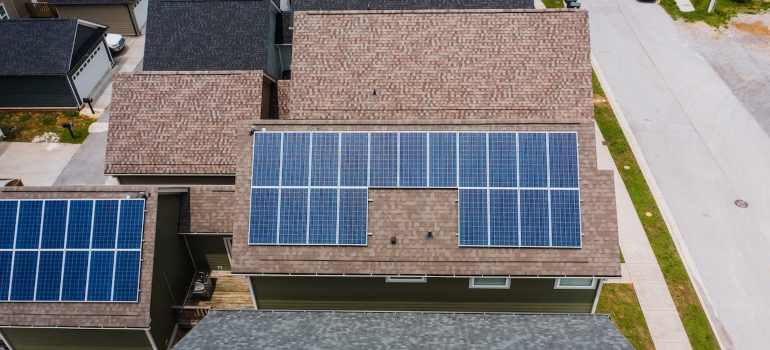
5 340
253 296
152 341
596 298
133 20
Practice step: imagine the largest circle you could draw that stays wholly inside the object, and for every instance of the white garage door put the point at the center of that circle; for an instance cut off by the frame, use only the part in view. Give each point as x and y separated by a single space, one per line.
92 70
140 12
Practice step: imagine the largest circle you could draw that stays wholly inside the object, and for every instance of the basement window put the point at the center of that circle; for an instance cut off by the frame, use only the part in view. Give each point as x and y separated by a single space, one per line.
400 279
490 283
575 283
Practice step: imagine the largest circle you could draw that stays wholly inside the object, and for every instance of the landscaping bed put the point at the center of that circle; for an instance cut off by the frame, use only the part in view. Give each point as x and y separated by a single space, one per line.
44 125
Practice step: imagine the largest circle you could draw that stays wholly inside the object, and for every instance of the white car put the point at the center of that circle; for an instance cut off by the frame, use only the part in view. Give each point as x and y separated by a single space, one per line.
115 42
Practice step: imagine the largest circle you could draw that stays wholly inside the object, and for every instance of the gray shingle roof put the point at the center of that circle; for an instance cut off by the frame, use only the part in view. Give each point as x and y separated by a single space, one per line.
88 2
340 5
249 329
40 46
191 35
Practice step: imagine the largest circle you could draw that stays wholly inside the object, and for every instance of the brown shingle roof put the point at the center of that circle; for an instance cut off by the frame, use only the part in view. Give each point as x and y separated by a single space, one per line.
447 64
207 209
179 122
89 314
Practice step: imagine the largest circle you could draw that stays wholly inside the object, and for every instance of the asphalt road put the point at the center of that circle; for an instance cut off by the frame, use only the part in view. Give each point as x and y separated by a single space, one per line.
704 149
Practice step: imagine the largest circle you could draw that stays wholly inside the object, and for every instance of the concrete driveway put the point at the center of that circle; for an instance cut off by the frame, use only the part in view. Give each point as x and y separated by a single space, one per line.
36 164
705 150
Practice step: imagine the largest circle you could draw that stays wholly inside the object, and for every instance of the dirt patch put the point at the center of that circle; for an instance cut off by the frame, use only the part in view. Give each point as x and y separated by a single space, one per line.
599 100
757 28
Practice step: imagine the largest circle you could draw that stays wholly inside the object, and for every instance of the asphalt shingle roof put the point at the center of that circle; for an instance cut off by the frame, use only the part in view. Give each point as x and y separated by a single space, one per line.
342 5
40 46
179 122
249 329
190 35
87 2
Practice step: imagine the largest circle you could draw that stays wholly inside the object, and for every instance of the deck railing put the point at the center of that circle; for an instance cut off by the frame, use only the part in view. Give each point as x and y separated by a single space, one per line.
189 316
41 10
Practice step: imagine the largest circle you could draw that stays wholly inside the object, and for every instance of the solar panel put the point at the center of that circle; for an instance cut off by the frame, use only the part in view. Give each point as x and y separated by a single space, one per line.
67 250
516 189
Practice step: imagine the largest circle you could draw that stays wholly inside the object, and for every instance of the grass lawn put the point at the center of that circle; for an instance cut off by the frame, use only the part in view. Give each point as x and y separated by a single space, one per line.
620 302
551 4
30 123
724 10
678 281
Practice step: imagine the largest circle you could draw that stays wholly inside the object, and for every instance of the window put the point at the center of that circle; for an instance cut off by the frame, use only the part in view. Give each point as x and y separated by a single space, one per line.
3 12
575 283
400 279
490 283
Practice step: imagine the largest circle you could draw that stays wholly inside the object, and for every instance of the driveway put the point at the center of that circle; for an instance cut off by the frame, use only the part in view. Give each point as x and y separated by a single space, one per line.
87 165
705 150
36 164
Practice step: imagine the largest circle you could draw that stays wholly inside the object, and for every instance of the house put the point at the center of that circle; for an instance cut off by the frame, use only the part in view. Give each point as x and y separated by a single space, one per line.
90 267
51 63
259 329
180 127
8 10
126 17
417 172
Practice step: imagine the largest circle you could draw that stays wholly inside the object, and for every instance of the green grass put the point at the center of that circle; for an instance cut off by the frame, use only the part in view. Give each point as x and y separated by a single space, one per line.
688 305
622 259
31 123
723 12
552 4
620 302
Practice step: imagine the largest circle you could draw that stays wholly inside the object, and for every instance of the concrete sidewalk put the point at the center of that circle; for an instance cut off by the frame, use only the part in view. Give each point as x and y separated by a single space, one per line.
36 164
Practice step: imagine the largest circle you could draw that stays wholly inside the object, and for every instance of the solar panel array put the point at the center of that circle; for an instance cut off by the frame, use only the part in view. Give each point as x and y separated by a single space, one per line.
70 250
515 189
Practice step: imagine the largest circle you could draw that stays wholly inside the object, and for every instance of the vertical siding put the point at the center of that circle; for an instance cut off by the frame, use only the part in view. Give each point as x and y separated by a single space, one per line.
172 269
208 252
21 9
32 91
117 17
75 339
437 294
10 8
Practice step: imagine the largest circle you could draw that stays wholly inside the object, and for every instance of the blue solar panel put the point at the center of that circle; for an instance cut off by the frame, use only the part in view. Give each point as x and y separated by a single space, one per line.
49 275
533 162
5 273
263 227
473 159
79 226
383 163
296 157
562 154
75 276
100 276
326 148
502 160
474 228
54 224
323 216
443 159
131 223
354 164
23 280
28 225
565 218
504 218
413 155
534 218
105 224
293 229
353 206
126 287
7 223
267 154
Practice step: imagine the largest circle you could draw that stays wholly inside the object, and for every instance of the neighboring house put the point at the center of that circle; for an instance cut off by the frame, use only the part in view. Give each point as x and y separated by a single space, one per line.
90 267
203 35
401 330
126 17
51 62
425 166
8 10
180 127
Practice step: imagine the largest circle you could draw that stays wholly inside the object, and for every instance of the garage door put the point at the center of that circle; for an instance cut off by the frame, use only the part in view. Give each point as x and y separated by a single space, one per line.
92 70
140 12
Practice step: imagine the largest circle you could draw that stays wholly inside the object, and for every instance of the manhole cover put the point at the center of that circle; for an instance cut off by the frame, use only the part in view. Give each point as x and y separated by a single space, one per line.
741 203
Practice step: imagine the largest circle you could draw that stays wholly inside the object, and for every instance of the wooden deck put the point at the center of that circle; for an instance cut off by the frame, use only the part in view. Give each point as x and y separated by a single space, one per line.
230 292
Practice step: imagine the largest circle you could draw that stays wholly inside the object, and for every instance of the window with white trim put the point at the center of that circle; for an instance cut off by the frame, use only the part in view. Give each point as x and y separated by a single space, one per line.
3 12
575 283
403 279
490 283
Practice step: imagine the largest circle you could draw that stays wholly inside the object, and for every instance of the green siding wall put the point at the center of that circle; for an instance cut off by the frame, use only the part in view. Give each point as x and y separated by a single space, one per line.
30 91
437 294
71 339
208 252
172 270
